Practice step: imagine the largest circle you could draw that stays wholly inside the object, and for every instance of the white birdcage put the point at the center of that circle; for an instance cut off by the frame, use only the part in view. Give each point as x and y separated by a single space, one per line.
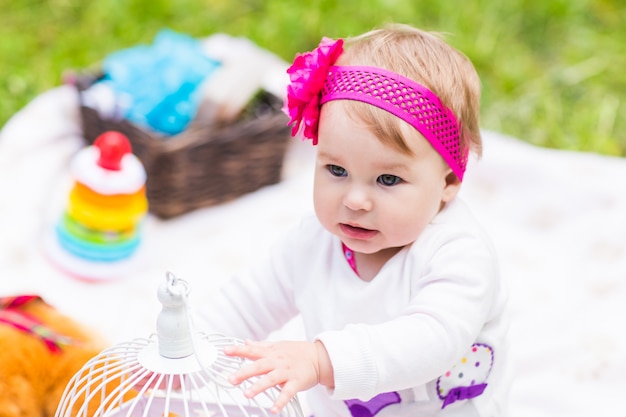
174 373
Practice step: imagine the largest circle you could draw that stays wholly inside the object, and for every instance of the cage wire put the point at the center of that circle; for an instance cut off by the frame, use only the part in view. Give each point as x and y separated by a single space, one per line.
173 373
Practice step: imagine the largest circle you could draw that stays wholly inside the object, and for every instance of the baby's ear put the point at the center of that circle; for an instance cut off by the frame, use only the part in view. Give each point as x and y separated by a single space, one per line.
453 184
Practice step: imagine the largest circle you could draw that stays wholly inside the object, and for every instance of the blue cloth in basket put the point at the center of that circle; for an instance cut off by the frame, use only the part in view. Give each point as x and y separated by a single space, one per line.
160 81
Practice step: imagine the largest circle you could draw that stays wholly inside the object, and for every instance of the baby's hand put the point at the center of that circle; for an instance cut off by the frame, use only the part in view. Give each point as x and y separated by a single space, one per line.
294 366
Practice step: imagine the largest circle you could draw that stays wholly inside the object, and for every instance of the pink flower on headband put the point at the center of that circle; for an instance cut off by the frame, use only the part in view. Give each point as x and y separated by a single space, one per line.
307 75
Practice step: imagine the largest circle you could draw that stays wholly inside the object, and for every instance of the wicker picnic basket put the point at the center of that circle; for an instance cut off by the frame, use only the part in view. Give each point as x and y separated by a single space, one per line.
206 164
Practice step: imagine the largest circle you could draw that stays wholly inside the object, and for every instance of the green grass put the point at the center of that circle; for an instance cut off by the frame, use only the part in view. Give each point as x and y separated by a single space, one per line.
552 70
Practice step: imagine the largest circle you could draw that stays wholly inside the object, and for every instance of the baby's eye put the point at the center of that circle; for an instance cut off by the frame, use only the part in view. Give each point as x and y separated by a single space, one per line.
388 179
337 171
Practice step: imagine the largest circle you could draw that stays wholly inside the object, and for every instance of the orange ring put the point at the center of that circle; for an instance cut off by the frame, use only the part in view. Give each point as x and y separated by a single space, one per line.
114 200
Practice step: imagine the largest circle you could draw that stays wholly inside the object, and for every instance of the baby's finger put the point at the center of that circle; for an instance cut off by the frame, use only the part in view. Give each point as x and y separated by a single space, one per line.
249 370
251 350
264 383
286 394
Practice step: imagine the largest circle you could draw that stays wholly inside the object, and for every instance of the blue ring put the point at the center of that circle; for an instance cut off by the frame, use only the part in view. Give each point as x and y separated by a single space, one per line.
94 251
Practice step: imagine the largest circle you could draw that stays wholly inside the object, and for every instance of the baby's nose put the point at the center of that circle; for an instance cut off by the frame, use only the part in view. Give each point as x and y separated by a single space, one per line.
357 198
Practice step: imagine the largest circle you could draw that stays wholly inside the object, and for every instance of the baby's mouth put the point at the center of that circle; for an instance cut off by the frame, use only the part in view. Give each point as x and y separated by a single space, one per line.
357 232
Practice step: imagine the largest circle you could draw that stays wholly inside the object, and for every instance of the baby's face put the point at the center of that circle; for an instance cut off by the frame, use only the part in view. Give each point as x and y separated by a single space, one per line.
370 195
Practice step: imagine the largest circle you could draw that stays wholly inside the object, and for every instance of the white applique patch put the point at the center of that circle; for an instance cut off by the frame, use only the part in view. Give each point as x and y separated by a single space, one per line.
468 378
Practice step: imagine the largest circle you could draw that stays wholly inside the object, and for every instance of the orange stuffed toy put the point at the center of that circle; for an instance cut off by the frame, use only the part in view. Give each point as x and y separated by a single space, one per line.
40 350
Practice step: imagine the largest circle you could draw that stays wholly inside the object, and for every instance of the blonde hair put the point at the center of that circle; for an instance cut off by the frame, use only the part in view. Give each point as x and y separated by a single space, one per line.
427 59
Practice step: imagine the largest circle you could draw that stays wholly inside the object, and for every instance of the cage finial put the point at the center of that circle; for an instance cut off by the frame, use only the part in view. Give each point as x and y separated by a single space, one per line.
173 331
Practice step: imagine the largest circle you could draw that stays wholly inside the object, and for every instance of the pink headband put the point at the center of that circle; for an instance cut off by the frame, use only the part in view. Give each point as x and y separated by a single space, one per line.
315 81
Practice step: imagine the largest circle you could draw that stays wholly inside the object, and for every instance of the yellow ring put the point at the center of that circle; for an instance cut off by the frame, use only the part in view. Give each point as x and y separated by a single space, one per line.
106 218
